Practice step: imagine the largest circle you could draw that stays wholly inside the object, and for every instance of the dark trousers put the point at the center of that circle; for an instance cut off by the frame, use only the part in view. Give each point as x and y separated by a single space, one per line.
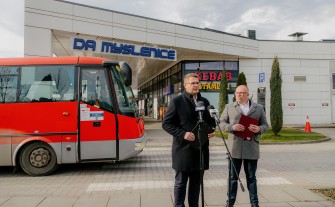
250 167
180 186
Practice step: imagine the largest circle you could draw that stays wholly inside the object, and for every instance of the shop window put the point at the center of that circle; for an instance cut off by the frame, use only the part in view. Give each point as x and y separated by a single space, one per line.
191 66
215 65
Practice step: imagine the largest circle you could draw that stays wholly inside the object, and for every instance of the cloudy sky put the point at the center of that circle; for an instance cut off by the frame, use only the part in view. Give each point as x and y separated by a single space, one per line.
272 19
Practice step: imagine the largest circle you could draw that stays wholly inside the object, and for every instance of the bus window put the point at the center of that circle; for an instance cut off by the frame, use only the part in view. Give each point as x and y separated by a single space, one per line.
47 83
95 89
124 95
8 84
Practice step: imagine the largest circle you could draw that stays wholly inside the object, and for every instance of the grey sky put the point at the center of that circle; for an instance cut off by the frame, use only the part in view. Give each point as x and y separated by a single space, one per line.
272 19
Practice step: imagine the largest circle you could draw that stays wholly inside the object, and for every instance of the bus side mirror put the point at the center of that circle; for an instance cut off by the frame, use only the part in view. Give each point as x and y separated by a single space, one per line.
125 68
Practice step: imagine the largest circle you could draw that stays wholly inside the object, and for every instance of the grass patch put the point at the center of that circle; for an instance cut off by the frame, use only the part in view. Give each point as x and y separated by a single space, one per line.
291 135
327 192
285 135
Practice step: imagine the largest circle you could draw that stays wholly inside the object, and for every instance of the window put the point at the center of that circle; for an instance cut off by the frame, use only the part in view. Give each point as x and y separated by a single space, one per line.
8 84
47 83
231 65
95 88
36 83
191 66
124 95
215 65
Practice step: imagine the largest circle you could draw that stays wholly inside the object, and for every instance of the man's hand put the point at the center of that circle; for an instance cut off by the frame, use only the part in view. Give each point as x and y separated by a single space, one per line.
238 127
254 128
211 135
189 136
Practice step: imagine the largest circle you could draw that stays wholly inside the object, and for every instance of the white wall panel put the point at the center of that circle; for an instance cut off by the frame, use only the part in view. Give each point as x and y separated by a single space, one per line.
129 34
48 22
287 112
275 48
289 62
188 43
292 95
161 26
233 50
212 47
267 63
37 42
212 36
290 70
287 78
293 87
233 40
250 52
325 111
48 5
128 20
162 39
315 103
92 13
188 31
250 62
92 28
314 87
292 119
312 48
310 111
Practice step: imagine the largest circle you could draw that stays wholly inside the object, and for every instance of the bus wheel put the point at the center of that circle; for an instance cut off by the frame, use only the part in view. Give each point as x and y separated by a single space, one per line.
38 159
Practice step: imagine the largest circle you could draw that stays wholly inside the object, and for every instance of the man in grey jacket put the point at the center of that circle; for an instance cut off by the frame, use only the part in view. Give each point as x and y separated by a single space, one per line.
244 151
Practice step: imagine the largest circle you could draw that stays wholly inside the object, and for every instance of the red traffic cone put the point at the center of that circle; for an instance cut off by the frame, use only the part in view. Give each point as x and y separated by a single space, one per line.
308 126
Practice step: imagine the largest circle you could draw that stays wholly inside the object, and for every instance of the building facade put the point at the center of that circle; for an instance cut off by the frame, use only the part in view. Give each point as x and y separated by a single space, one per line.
161 52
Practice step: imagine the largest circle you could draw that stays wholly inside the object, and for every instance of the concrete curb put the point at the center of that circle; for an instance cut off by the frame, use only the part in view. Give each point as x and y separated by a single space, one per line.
262 143
302 142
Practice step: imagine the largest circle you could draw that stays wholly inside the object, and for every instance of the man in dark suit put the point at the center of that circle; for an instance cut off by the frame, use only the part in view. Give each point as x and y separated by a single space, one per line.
244 150
179 121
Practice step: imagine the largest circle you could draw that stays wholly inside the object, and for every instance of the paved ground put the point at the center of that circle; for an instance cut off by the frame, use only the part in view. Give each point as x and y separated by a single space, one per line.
285 175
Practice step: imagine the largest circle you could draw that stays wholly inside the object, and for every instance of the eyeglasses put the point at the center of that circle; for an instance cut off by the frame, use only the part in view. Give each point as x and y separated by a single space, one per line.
193 83
241 93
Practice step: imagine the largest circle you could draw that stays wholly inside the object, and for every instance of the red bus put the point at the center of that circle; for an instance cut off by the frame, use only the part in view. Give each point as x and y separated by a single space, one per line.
57 110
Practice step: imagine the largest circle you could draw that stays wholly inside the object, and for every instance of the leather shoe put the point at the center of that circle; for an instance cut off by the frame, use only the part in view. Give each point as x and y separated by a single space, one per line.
254 205
229 205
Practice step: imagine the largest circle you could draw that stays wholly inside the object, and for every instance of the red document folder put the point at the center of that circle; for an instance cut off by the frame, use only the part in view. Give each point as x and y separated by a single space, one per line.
246 121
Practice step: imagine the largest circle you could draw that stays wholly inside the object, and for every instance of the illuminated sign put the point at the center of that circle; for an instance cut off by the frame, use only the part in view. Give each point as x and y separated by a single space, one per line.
208 86
116 48
210 80
213 75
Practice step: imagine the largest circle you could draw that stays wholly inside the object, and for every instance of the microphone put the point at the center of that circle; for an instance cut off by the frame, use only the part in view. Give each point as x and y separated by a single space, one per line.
213 112
200 107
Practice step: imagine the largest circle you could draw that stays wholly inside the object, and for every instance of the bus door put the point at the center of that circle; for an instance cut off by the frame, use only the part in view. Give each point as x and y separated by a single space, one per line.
97 134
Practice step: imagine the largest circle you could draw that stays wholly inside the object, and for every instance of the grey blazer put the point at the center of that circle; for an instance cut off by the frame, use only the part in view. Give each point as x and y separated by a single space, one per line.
243 149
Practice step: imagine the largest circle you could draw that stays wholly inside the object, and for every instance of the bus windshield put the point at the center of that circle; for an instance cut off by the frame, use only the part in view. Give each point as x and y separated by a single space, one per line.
124 94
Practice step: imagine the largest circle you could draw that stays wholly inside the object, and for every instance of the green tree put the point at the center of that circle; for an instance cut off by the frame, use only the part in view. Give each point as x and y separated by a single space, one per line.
276 110
241 80
223 98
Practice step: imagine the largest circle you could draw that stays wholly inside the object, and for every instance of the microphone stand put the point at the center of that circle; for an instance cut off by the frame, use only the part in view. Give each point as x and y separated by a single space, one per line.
199 125
230 164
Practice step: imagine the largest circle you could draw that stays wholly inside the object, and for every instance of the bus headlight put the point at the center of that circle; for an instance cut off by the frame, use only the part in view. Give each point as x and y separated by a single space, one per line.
139 145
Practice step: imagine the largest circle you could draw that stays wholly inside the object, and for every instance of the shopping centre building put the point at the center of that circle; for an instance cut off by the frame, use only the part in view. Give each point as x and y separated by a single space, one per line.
161 53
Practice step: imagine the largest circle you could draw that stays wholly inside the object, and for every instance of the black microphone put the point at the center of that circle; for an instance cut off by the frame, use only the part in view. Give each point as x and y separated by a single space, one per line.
200 107
214 113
